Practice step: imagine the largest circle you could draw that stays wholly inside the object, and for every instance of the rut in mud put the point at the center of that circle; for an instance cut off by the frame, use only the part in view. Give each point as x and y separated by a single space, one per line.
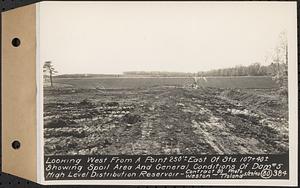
164 120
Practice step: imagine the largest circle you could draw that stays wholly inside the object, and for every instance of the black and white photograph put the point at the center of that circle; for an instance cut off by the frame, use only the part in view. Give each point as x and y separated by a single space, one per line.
165 78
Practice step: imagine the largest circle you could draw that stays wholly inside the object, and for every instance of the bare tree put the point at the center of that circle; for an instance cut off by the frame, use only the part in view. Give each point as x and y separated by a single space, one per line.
280 59
48 67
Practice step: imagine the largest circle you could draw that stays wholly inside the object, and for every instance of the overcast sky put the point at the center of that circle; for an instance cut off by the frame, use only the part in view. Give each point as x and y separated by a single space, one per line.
97 37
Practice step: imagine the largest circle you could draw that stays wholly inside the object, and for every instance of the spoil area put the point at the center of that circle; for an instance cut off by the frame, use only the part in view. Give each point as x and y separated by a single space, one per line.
164 120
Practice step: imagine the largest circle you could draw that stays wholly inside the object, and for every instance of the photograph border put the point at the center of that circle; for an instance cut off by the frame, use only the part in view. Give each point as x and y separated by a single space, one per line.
293 132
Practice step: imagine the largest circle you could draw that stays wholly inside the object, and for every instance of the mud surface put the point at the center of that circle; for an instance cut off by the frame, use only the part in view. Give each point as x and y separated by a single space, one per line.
164 120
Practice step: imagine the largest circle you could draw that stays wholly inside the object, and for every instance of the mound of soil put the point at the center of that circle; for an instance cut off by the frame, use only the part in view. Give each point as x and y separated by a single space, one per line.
58 123
77 133
86 102
132 118
112 104
272 104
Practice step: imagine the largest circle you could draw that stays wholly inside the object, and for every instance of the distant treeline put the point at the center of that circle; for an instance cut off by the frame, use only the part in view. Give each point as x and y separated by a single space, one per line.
158 74
86 75
129 74
252 70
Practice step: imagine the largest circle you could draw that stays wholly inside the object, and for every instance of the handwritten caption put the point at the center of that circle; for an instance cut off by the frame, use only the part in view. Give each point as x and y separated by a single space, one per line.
166 167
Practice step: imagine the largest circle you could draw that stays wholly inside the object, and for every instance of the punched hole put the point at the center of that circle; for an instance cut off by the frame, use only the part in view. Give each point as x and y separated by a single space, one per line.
16 144
16 42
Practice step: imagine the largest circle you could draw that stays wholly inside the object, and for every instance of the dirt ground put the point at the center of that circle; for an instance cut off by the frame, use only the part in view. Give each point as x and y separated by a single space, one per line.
164 120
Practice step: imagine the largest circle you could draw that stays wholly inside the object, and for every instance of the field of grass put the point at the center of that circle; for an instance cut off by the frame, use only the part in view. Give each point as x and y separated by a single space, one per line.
243 82
256 82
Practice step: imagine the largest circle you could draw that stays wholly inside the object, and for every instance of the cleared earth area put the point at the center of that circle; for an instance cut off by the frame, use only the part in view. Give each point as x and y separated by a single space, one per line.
164 120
